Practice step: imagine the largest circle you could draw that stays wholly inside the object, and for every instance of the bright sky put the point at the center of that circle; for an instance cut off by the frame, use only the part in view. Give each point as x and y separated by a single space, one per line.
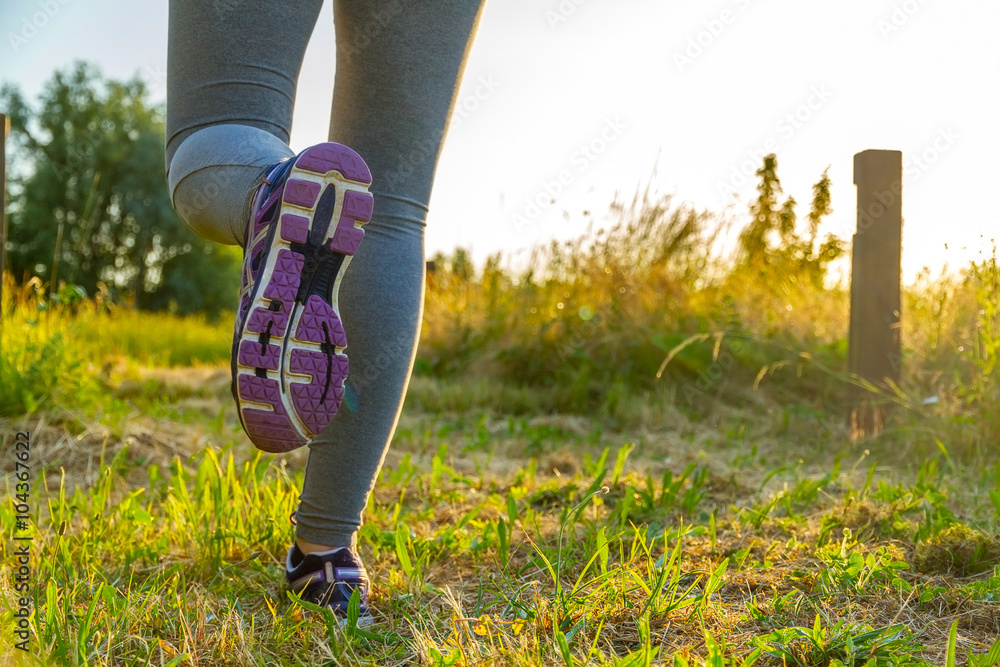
601 93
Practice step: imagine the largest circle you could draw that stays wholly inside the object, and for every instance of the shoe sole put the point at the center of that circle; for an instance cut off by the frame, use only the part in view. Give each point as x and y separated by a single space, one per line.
289 363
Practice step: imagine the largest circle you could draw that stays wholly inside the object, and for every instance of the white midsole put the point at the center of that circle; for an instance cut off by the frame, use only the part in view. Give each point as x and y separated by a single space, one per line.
278 243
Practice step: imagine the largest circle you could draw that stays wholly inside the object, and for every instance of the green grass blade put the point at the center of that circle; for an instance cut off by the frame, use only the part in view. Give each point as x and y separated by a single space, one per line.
952 642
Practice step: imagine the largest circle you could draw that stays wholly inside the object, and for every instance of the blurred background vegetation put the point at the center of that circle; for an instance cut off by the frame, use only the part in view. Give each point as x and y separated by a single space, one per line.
89 205
649 308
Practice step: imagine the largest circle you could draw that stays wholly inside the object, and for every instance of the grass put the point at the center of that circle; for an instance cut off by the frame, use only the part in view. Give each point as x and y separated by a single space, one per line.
632 550
550 497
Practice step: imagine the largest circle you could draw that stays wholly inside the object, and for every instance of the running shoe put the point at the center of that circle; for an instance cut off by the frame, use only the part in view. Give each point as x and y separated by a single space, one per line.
328 579
288 359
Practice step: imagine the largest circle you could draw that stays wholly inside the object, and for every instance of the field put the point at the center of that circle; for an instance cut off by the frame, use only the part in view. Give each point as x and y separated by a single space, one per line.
628 453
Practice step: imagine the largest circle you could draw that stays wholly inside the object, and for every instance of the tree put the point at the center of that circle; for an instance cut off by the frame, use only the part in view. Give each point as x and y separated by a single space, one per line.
89 202
771 245
815 259
767 217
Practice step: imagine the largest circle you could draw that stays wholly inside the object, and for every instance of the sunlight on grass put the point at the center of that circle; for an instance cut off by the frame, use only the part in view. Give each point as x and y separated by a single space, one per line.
159 339
550 498
606 566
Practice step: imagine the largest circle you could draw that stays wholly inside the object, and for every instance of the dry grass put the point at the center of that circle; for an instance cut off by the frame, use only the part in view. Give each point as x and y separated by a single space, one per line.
461 604
548 498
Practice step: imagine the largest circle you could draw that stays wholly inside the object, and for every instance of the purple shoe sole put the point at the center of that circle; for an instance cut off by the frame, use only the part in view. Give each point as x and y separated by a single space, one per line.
289 365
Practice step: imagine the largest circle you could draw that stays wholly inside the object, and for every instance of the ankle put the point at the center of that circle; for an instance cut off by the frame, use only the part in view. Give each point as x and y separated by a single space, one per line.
311 547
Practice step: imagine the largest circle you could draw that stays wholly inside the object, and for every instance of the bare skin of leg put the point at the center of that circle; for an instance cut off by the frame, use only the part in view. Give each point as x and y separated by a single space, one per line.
309 547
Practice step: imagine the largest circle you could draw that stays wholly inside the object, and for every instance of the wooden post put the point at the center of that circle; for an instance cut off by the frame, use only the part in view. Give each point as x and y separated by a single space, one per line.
4 128
873 345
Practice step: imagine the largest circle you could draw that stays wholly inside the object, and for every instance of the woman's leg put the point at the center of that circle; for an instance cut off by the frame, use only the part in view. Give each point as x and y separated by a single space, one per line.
233 66
398 67
231 71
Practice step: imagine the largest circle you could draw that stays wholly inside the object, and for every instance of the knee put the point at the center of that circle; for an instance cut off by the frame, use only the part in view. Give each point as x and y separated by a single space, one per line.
213 202
196 203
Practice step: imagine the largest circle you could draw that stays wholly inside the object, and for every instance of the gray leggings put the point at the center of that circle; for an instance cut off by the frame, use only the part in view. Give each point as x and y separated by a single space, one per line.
232 71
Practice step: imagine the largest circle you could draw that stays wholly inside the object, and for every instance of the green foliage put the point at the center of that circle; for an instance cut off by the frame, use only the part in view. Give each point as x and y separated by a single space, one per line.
204 278
679 495
89 203
178 560
770 246
713 543
156 339
593 319
842 644
990 659
67 353
854 572
41 367
36 368
979 359
952 342
648 307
